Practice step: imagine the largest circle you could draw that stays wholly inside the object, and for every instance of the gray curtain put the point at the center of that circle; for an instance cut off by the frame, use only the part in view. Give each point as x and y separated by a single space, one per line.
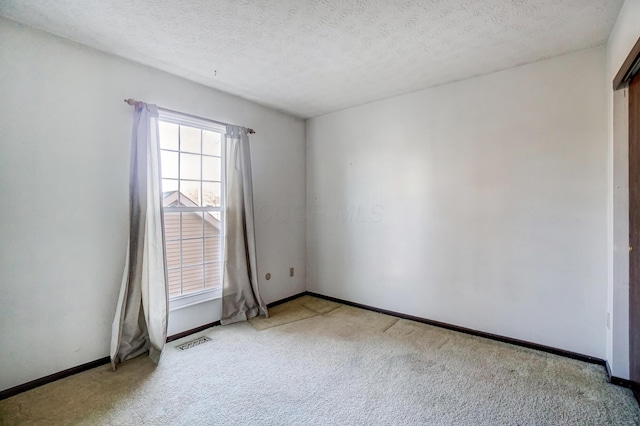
240 291
140 322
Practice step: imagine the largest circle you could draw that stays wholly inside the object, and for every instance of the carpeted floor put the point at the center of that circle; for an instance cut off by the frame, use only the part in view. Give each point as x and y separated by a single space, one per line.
320 363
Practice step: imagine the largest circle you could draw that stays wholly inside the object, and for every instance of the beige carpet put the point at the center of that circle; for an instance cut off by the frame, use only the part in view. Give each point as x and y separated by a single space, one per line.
320 363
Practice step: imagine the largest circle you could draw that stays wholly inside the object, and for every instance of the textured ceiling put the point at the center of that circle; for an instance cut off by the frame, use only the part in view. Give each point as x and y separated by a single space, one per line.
310 57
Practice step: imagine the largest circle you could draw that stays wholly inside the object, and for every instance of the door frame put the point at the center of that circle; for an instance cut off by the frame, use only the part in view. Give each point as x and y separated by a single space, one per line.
627 74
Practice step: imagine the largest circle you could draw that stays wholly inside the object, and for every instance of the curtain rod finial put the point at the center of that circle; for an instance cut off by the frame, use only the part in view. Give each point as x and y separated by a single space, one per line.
130 101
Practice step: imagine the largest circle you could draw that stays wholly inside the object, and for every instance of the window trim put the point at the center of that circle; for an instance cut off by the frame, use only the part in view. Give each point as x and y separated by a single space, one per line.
186 300
186 120
205 295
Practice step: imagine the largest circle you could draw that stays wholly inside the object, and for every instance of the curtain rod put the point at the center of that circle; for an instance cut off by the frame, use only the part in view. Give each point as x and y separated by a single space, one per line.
132 102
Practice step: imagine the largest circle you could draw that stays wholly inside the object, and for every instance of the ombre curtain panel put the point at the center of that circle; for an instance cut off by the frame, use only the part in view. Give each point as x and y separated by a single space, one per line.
240 290
140 322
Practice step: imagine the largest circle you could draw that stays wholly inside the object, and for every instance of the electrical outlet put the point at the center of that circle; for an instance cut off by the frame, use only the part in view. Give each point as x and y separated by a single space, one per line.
290 272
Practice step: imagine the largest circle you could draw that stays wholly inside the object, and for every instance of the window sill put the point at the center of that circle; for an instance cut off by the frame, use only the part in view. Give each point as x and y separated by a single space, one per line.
182 302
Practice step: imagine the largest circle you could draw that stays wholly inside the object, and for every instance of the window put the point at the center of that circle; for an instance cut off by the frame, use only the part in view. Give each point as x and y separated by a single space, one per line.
192 165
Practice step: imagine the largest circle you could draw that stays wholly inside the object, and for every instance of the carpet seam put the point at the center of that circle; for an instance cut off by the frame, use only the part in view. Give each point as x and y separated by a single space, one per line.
394 323
290 322
321 313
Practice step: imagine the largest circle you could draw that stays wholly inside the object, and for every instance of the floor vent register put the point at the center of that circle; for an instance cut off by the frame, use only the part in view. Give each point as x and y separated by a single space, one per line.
192 343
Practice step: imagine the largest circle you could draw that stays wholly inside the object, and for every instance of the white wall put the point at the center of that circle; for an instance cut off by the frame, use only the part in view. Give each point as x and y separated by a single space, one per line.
64 164
622 39
480 203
